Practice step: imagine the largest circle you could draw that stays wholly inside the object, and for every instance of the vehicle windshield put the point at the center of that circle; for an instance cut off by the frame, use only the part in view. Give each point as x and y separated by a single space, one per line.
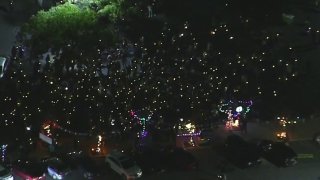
61 167
127 163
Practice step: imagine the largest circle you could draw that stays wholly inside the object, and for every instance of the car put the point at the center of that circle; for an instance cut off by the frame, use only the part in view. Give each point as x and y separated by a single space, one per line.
5 174
277 153
90 171
123 165
2 66
89 168
56 168
78 160
316 138
72 159
180 159
26 170
150 160
240 152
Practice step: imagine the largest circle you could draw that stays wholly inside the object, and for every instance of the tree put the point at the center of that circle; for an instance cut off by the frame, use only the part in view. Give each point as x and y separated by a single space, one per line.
63 25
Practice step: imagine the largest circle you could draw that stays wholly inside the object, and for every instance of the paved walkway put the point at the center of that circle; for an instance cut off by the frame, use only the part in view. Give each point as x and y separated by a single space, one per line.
11 21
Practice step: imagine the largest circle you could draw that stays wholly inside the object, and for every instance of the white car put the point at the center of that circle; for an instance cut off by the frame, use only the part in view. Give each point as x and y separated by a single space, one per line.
2 66
123 165
5 174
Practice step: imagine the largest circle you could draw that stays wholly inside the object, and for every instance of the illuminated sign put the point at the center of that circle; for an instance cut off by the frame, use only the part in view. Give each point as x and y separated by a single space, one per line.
45 138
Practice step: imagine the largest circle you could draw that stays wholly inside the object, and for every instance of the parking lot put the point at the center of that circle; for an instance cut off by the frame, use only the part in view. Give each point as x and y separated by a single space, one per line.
210 161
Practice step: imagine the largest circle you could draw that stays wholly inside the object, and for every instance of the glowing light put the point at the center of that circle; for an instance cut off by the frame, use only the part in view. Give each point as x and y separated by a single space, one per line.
3 152
239 109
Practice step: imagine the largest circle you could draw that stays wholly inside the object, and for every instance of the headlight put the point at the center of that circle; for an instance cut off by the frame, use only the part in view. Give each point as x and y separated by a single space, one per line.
139 174
59 176
9 177
249 163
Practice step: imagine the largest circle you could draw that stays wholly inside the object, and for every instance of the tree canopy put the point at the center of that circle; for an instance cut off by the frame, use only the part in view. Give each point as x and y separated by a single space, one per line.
69 23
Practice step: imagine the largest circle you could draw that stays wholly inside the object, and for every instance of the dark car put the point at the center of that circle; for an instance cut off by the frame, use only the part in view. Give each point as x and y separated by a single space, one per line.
89 168
72 159
240 152
78 160
26 169
150 160
180 159
277 153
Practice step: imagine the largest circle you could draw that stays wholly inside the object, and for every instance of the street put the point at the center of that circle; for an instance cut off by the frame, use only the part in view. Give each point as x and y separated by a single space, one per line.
305 169
209 161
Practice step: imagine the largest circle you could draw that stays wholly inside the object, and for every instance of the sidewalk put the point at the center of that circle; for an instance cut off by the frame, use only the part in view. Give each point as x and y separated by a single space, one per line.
11 21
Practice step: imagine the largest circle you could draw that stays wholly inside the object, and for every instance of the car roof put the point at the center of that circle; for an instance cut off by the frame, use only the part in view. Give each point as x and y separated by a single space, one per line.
2 60
2 168
118 155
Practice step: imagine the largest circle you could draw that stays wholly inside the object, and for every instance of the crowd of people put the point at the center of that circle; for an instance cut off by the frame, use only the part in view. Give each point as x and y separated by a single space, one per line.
175 71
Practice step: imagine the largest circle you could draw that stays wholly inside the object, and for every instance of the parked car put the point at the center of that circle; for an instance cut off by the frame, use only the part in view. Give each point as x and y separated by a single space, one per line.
27 170
5 174
180 159
240 152
56 168
277 153
316 138
150 160
72 159
77 160
89 168
2 65
123 165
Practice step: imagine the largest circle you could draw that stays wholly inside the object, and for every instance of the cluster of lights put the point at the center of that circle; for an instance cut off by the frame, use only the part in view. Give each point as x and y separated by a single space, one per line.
48 125
236 107
142 121
188 131
47 130
189 134
173 69
234 110
98 149
3 152
283 121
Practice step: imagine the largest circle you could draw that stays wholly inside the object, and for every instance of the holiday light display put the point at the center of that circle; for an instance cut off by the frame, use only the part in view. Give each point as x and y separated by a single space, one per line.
284 121
141 121
235 110
3 152
187 130
188 133
282 135
98 148
50 125
231 122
